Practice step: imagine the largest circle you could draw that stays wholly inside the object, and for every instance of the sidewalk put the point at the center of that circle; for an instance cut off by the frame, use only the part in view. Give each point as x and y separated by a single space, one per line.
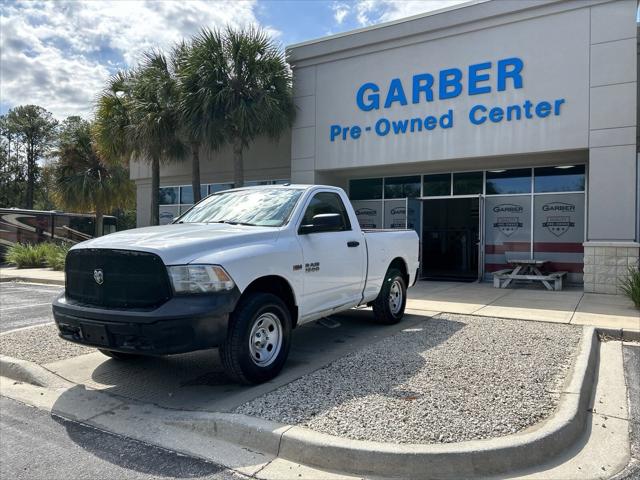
571 305
32 275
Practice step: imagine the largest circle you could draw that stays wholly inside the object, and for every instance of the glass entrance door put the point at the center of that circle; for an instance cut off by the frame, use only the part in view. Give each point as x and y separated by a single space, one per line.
450 238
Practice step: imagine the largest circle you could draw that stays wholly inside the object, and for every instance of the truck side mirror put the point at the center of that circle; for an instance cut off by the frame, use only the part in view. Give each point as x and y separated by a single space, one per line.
323 222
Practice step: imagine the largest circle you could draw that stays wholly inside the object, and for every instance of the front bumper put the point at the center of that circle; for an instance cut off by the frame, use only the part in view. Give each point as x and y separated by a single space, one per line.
182 324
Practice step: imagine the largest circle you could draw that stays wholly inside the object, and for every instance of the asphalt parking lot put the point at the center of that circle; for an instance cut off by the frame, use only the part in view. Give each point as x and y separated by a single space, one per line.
25 305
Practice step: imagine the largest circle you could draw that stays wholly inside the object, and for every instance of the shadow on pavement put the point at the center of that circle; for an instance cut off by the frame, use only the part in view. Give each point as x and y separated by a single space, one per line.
133 455
196 381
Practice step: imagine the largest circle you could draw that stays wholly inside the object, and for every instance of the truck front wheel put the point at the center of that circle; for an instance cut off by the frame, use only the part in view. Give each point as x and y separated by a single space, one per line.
388 308
258 339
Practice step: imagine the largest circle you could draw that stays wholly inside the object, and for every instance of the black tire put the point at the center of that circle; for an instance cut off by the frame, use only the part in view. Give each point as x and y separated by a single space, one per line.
241 360
382 306
119 355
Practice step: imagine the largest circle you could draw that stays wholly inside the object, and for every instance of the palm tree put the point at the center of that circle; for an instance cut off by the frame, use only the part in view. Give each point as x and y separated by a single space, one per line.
196 67
137 116
82 180
112 117
237 86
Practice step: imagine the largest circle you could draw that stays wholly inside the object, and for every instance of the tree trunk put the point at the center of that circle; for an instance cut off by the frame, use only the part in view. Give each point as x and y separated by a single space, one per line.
31 178
195 171
155 191
99 222
238 167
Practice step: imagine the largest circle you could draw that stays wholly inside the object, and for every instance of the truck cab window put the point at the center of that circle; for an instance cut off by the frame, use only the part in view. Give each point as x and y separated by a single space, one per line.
326 202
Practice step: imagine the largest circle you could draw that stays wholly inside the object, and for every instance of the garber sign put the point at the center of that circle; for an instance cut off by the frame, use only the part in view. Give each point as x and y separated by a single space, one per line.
481 78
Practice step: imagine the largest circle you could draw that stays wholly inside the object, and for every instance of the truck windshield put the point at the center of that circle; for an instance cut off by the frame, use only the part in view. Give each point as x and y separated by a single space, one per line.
264 207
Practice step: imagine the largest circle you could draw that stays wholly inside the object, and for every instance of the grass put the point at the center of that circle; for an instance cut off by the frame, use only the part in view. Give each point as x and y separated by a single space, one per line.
631 285
49 254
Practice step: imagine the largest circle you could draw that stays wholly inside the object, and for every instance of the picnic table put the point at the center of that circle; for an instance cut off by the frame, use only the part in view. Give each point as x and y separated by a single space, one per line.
530 270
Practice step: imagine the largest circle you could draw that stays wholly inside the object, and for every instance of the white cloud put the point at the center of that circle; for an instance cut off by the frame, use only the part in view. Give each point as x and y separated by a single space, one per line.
370 12
59 54
340 11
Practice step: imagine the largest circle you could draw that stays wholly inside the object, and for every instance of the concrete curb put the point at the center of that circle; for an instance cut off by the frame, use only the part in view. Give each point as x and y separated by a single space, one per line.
252 432
29 372
458 460
45 281
619 334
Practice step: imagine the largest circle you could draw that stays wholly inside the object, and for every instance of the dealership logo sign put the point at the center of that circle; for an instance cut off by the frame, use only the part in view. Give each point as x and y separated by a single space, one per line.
558 225
398 211
558 207
507 208
422 92
366 212
508 225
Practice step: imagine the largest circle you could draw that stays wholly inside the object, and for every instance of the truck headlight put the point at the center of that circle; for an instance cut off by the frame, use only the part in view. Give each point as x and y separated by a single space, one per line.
199 278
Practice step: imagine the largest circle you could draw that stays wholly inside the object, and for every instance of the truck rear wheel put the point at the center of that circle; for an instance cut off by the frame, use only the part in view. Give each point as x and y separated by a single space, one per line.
388 308
258 339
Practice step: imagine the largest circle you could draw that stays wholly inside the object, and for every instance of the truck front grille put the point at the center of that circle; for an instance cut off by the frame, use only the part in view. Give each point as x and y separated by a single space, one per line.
116 278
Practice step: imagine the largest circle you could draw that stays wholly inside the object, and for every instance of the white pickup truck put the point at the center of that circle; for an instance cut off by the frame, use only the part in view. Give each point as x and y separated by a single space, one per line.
238 271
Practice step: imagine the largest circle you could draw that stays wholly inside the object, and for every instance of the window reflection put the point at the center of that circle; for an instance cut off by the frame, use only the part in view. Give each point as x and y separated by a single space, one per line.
500 182
268 207
402 187
437 185
365 189
467 183
169 196
569 178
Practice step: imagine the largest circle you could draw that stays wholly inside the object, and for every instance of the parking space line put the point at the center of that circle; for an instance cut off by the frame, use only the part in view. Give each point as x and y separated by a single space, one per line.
26 328
24 306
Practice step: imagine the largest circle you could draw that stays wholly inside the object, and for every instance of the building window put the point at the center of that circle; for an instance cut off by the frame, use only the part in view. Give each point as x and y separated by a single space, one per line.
402 187
569 178
437 185
504 182
169 196
255 183
467 183
366 189
507 230
186 193
219 187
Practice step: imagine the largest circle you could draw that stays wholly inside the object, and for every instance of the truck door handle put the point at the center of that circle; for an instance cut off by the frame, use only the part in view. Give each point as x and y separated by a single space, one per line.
353 243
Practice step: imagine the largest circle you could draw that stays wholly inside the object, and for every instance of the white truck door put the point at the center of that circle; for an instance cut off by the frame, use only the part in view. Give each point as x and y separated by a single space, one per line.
334 261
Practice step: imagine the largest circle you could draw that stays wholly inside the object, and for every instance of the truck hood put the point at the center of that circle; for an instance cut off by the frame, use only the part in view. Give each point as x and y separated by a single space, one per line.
179 244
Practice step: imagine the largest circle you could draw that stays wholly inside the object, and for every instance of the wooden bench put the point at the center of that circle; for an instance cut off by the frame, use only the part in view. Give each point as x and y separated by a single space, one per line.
502 278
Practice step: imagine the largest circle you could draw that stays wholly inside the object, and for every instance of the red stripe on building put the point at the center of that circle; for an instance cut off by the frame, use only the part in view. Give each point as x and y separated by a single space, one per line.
551 266
537 247
558 247
508 247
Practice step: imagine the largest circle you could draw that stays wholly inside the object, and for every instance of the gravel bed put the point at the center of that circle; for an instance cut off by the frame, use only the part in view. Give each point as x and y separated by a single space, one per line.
40 345
450 379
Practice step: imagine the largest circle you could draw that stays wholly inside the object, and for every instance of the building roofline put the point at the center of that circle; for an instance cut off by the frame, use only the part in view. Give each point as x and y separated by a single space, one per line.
456 17
390 23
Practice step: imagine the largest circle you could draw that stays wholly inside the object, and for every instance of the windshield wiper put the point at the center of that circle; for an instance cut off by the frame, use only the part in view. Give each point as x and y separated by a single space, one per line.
233 222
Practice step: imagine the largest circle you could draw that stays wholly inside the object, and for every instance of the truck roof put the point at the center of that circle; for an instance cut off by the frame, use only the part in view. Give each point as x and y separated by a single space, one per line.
298 186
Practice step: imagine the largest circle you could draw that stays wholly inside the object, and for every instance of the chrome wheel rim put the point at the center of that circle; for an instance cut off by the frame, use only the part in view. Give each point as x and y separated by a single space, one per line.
395 297
265 340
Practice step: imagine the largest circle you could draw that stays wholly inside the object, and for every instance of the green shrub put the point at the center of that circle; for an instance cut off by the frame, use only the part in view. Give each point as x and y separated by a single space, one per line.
55 255
49 254
631 285
25 255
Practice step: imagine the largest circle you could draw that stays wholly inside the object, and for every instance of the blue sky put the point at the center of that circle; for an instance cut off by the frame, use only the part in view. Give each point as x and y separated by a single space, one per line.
58 54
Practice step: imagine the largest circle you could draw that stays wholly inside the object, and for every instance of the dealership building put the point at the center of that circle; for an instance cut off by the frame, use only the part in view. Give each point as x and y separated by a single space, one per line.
496 129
